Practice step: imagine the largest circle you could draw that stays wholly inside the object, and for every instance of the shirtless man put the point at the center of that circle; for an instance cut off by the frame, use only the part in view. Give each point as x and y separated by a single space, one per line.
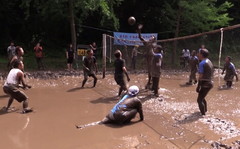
149 44
18 56
120 72
89 63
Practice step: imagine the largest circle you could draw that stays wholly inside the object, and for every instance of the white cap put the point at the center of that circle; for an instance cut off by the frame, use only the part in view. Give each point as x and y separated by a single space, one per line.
133 90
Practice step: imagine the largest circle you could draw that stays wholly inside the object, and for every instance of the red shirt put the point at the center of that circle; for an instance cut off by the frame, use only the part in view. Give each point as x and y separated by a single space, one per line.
38 51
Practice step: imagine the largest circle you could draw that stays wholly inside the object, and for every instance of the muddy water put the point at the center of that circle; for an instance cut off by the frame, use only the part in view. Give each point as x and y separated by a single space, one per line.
171 120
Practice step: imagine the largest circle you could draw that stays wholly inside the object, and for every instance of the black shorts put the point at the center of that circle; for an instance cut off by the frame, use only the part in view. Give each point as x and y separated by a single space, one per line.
124 116
88 74
120 80
70 60
15 93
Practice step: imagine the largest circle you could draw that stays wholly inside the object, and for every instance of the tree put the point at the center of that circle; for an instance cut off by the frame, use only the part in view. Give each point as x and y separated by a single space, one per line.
190 17
72 25
57 12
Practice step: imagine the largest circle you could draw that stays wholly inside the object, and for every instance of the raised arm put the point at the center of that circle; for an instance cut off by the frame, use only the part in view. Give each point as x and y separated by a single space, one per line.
140 35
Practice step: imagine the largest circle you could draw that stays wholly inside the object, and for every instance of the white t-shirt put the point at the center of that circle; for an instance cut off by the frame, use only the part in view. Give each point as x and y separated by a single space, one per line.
186 53
12 77
11 50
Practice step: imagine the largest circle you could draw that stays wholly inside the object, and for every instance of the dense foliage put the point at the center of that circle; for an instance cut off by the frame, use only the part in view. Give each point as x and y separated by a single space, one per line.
27 22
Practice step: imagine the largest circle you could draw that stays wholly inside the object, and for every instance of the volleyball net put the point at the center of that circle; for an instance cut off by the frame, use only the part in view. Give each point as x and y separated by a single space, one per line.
220 43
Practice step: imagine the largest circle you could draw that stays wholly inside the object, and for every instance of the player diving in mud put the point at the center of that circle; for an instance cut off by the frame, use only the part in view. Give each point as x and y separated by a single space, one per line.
124 111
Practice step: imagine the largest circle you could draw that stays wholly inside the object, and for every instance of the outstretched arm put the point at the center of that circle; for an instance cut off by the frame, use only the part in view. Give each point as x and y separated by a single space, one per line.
20 76
84 65
139 33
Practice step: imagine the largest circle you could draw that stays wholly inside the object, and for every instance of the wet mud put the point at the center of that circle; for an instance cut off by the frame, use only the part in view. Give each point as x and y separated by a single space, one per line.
172 120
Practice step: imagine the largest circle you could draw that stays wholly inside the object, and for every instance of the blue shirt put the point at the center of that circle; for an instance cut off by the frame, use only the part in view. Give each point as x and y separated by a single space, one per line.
119 105
206 69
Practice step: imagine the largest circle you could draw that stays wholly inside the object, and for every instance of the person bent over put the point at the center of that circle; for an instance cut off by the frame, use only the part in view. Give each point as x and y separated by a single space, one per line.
120 70
230 72
89 63
126 109
14 80
205 82
193 63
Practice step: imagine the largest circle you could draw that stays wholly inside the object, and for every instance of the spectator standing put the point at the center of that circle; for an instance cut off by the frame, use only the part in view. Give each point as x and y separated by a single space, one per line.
70 54
11 51
38 50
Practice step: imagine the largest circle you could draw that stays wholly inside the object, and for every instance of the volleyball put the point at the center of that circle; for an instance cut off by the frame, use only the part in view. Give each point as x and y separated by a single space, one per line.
131 20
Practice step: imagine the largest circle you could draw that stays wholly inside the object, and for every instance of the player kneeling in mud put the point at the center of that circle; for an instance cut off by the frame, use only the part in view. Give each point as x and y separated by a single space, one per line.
15 79
126 109
230 72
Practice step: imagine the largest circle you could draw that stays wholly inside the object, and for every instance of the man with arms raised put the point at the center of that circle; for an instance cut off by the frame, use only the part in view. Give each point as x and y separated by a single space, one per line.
149 44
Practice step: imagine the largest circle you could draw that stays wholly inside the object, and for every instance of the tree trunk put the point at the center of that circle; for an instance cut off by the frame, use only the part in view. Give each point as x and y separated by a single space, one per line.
174 52
72 25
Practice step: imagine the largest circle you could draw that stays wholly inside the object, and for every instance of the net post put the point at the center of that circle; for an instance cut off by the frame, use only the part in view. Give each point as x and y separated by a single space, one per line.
219 58
104 55
110 50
